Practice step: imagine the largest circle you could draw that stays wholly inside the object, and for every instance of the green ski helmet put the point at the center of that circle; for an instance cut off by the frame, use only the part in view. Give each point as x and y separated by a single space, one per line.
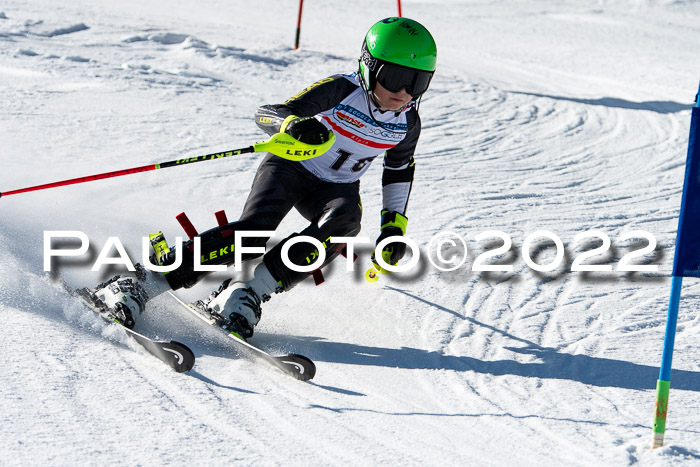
398 53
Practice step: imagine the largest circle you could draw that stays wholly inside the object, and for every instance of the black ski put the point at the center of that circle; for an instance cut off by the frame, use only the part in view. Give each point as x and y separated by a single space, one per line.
296 366
176 355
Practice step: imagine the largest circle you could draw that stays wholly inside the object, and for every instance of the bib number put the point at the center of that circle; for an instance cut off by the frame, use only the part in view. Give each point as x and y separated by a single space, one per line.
343 158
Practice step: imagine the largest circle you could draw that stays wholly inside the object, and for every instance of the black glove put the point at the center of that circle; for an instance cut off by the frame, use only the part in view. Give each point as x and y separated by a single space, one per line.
305 129
393 225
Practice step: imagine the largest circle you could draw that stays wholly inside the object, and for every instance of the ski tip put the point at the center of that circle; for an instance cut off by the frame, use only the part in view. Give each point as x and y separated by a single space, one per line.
297 366
181 358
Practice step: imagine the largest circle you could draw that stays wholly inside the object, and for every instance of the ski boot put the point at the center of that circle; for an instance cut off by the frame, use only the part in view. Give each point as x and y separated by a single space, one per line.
124 296
239 302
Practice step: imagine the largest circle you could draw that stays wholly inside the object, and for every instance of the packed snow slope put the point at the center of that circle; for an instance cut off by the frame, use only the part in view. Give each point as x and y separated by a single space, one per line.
564 116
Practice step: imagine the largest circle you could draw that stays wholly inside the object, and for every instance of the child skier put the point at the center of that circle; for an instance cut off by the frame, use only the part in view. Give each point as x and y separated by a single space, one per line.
371 112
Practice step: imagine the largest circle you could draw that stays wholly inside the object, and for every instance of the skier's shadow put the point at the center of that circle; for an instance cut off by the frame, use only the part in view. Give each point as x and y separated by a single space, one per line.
553 364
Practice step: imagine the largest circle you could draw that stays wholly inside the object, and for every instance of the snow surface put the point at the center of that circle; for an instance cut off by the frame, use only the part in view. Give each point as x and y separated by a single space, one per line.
564 116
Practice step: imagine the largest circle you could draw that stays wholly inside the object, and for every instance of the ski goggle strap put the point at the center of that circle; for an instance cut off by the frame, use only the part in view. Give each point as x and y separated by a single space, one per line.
394 78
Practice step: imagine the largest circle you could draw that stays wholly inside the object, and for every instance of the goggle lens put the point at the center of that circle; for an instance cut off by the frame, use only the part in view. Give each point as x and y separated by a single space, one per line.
394 78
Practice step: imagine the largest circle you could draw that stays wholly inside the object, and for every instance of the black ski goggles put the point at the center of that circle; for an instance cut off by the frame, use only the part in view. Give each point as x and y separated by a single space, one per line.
394 78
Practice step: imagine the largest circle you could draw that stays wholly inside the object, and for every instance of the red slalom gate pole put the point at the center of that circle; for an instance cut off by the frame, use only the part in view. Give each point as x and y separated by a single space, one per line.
296 41
399 2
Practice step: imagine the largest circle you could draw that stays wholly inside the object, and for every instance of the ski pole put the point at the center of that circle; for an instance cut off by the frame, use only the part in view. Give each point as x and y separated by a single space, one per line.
280 144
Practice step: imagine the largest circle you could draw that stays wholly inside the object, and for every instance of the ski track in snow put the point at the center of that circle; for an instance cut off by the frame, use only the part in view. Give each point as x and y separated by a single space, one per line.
437 368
